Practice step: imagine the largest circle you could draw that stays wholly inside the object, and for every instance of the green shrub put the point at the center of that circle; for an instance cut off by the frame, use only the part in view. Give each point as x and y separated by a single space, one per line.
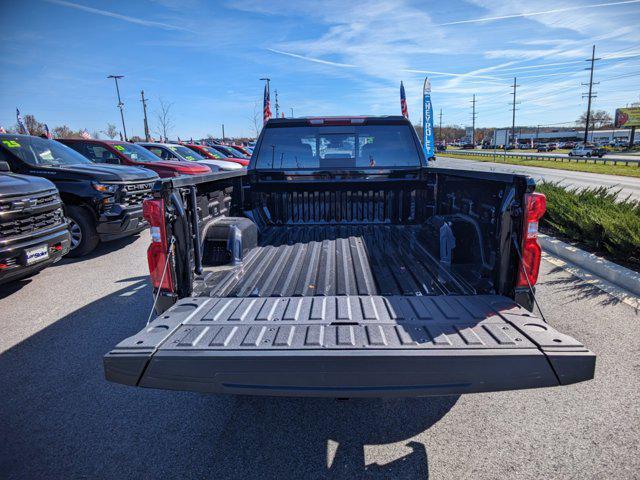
596 217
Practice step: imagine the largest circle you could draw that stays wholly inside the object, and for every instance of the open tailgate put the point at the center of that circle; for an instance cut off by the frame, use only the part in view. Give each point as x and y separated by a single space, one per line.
349 346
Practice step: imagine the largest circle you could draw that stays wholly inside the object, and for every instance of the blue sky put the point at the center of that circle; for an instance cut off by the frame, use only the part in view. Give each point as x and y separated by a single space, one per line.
324 58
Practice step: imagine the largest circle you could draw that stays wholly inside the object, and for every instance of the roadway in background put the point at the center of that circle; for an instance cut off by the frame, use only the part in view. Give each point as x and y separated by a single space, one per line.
629 186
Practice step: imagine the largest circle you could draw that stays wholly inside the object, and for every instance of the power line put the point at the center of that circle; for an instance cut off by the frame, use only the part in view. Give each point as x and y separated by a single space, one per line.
591 94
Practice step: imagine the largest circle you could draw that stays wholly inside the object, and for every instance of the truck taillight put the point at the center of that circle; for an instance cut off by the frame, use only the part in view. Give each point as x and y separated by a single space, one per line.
157 253
535 204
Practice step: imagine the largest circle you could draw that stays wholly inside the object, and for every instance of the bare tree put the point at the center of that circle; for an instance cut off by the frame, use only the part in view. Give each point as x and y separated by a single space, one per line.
164 119
256 119
63 131
111 131
34 126
598 119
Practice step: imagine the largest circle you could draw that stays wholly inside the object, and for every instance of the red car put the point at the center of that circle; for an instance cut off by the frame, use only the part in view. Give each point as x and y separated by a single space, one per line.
124 153
224 154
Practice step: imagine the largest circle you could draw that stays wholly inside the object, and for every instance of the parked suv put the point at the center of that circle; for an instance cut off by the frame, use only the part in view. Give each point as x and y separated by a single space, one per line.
125 153
33 229
101 202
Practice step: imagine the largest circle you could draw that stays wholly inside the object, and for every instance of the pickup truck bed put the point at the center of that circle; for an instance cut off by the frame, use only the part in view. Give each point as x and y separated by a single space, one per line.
321 260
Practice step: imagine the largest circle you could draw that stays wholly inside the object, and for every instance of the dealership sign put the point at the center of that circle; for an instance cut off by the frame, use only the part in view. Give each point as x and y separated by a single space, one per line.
628 117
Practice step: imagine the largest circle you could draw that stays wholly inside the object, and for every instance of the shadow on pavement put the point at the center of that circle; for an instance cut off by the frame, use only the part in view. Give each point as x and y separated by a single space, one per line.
102 249
577 289
61 419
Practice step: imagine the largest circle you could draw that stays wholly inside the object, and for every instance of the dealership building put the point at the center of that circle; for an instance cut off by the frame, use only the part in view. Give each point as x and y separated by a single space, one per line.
619 134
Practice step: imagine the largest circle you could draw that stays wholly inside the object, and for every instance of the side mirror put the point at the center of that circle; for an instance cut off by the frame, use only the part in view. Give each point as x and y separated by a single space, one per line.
4 166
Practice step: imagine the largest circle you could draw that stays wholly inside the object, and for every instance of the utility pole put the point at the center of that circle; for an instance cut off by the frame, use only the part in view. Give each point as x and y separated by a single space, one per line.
223 133
120 104
147 137
440 128
473 120
513 115
277 105
591 93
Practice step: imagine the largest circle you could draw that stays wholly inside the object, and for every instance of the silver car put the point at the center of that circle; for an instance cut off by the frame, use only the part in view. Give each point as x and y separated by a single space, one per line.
173 151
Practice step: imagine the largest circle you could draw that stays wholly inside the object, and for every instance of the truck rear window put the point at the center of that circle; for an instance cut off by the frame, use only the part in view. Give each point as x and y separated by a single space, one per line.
331 147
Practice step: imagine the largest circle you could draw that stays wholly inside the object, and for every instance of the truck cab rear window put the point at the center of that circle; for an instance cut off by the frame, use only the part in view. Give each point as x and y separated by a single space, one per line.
361 147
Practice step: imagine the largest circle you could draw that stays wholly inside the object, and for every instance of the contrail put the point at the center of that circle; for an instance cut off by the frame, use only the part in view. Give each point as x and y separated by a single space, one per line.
126 18
316 60
531 14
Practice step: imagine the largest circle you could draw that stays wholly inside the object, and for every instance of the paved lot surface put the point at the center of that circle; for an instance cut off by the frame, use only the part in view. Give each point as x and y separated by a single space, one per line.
61 419
627 185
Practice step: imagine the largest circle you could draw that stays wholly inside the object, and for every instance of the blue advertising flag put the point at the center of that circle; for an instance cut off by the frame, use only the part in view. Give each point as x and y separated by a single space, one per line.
428 143
22 128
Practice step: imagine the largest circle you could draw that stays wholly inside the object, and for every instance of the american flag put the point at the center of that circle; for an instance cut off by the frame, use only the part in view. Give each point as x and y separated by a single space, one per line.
22 128
47 132
403 102
266 104
85 135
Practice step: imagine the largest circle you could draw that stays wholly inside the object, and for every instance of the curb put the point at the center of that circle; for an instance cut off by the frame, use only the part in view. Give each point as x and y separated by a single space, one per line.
614 273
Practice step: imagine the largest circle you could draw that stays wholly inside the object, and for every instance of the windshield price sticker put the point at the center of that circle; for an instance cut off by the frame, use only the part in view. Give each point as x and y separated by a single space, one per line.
119 148
11 143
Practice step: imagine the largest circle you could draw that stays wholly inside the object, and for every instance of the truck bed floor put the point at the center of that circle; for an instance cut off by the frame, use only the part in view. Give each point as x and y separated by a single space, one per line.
326 260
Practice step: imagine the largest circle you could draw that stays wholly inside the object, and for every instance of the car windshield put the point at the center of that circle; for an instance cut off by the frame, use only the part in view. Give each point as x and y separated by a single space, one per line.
42 152
136 153
186 152
213 152
376 146
240 153
227 151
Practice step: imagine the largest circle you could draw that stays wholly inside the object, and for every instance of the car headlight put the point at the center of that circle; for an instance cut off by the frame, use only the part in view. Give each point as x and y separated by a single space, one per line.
104 187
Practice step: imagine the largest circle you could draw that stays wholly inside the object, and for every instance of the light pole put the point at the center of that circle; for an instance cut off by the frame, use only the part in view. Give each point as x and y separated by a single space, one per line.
291 112
120 104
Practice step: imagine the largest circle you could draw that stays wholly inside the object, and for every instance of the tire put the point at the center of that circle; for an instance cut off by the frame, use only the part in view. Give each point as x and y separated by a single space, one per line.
84 238
570 154
588 155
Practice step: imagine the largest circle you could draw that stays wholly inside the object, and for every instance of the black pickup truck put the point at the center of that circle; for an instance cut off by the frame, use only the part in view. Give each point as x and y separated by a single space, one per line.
33 230
101 202
342 265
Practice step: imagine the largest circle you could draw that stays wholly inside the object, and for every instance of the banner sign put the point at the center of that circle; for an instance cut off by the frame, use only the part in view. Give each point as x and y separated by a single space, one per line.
427 121
628 117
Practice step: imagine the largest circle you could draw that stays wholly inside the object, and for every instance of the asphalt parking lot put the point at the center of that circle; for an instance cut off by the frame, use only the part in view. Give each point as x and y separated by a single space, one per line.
61 419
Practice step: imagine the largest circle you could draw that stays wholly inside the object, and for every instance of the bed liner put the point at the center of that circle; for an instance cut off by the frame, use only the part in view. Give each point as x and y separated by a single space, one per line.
325 260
